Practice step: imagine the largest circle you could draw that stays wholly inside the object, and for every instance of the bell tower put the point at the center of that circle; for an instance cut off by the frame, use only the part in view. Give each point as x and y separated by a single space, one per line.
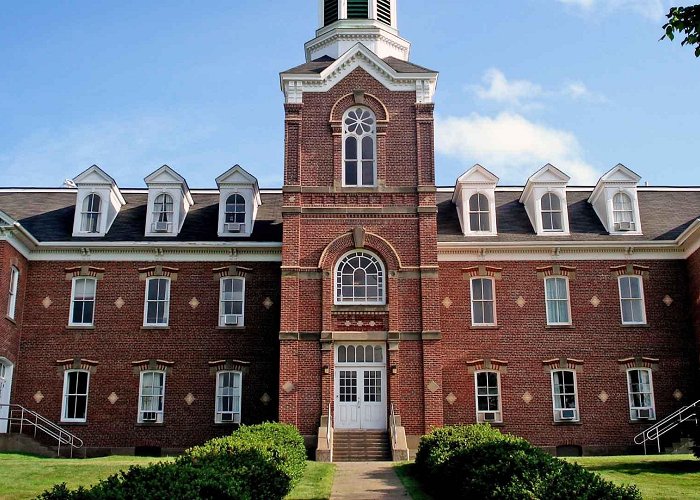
343 23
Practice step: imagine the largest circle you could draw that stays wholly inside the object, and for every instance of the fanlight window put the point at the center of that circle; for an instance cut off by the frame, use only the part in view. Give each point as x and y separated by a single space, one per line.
359 147
623 215
359 279
551 213
479 218
360 354
90 221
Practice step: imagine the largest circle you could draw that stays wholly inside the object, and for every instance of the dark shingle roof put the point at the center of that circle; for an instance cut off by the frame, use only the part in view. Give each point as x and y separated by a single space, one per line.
318 65
48 216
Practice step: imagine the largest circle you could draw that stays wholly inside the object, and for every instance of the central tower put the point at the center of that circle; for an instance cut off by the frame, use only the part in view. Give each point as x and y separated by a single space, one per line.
360 326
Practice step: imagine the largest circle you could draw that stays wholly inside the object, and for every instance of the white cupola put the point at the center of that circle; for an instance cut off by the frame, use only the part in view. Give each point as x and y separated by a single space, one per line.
475 198
239 199
97 203
545 202
344 23
615 201
169 200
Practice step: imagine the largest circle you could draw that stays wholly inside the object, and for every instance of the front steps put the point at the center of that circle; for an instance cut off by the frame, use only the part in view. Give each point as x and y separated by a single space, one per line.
361 446
20 443
682 447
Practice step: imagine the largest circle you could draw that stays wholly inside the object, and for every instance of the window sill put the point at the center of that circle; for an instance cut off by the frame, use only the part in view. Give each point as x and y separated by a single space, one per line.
635 325
154 327
226 424
359 308
73 424
647 421
11 320
485 327
80 327
567 424
238 327
150 424
559 327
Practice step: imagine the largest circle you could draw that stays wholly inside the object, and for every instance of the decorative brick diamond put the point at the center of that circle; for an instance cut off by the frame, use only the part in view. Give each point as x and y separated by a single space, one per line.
603 396
194 303
451 398
38 397
265 399
677 394
348 323
595 301
668 301
521 302
288 387
267 303
189 399
360 323
119 303
46 302
527 397
113 398
432 386
372 323
447 302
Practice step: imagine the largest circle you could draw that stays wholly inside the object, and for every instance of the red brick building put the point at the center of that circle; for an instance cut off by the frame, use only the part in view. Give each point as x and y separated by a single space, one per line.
161 317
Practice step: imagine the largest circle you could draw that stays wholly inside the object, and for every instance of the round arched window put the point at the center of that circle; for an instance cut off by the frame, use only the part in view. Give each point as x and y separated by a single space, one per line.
359 279
359 147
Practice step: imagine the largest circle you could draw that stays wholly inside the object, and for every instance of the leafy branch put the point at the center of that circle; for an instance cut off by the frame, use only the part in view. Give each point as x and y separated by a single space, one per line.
684 20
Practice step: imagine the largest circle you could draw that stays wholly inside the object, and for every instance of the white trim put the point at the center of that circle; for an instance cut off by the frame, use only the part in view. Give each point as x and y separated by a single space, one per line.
499 413
236 415
241 321
555 410
493 299
160 414
72 300
641 291
12 292
5 393
64 408
166 312
568 300
337 300
632 409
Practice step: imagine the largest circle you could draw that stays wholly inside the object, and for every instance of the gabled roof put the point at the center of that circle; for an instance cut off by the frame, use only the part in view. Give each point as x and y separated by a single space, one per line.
549 174
318 65
236 175
475 175
619 175
166 175
94 175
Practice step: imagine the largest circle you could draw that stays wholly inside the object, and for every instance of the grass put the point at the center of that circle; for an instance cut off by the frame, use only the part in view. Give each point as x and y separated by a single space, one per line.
26 476
658 477
407 475
316 483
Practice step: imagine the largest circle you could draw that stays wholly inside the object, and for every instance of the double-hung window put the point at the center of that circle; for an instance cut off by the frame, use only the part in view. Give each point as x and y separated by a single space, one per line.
234 217
232 303
557 301
488 396
483 303
632 300
623 213
75 396
228 397
82 310
552 214
151 397
641 394
564 396
157 302
163 211
12 296
90 215
479 214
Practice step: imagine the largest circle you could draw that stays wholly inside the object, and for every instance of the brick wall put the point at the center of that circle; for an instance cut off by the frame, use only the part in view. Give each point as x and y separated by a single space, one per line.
10 328
694 296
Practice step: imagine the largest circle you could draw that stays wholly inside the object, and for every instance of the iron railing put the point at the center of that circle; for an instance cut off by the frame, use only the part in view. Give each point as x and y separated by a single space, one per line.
19 416
669 423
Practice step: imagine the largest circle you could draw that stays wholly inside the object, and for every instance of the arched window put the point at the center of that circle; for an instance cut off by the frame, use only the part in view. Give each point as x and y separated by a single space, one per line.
163 213
359 279
90 221
623 215
551 213
479 217
359 147
235 214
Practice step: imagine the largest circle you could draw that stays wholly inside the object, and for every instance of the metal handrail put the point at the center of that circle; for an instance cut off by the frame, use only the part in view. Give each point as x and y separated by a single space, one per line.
392 426
665 425
329 428
18 414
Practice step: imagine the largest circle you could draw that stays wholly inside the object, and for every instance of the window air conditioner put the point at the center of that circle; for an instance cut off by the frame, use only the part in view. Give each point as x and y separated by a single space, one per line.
161 227
567 414
643 413
231 319
490 416
234 227
623 226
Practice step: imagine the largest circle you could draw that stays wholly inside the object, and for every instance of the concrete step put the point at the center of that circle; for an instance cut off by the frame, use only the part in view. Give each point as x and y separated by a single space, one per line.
20 443
681 447
361 446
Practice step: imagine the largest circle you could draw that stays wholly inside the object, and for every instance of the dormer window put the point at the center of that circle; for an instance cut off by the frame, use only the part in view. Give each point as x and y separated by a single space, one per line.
90 217
623 213
475 199
551 213
359 148
163 214
235 214
479 213
615 201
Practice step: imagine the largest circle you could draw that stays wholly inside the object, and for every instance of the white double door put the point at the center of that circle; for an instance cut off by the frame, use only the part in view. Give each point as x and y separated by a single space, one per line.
360 387
5 386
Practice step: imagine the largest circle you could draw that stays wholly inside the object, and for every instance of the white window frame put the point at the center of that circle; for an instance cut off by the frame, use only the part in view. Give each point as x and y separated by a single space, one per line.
555 409
146 301
235 416
474 301
159 413
482 214
634 410
160 211
337 281
241 317
86 211
550 211
637 299
480 414
71 318
622 214
12 295
66 395
359 137
568 300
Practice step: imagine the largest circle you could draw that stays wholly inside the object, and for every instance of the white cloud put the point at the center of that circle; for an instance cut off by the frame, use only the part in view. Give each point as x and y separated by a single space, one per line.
512 146
500 89
651 9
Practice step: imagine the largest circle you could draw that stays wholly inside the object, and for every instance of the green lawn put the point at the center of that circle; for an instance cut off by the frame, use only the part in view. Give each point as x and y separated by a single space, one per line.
25 476
658 477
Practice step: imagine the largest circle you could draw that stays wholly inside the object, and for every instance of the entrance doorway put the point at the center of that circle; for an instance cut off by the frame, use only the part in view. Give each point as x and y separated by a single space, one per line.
5 387
360 387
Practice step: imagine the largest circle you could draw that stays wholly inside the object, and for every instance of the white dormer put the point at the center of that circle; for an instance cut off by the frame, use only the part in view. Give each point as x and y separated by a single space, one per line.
97 203
169 200
475 198
544 198
615 201
239 199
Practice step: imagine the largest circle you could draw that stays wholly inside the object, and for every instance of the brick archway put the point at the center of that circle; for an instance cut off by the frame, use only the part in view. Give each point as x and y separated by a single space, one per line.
369 241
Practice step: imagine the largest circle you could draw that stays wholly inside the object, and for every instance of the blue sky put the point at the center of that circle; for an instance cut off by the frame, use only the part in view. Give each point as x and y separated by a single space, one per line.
583 84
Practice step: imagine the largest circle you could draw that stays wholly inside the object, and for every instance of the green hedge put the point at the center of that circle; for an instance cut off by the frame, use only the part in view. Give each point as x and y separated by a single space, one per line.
257 462
478 461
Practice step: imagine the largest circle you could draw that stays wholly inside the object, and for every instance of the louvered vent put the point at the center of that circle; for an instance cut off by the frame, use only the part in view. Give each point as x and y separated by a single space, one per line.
330 12
384 11
358 9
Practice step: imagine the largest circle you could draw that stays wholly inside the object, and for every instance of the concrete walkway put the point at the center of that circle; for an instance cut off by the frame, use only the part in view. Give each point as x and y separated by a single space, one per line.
367 480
